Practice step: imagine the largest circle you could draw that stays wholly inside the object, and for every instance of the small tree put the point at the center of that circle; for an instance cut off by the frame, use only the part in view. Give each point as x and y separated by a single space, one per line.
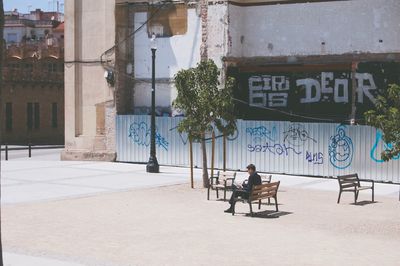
205 104
386 117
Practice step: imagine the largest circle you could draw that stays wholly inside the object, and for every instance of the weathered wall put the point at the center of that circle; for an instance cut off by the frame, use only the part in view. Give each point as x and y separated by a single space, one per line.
173 53
218 38
336 27
165 94
177 52
89 31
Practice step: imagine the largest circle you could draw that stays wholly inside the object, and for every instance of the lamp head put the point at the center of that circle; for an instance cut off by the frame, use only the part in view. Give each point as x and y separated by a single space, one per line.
153 42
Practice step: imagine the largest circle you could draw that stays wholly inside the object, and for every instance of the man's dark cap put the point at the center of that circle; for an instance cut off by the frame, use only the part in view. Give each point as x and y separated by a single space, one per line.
251 166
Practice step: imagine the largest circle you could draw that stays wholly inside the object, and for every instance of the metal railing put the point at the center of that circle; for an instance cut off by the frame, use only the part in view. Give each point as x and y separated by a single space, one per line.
29 147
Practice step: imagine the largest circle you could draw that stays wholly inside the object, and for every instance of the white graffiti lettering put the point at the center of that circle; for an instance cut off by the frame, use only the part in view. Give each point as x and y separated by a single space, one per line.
272 91
365 84
341 91
313 90
268 91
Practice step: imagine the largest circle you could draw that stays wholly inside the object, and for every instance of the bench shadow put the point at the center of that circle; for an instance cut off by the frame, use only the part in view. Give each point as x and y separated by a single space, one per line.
267 214
364 202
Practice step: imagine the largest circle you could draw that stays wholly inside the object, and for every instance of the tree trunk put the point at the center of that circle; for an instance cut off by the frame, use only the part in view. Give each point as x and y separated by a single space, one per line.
1 107
191 162
205 170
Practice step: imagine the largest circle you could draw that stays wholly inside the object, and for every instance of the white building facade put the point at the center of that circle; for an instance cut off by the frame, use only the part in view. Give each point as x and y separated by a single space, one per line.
304 57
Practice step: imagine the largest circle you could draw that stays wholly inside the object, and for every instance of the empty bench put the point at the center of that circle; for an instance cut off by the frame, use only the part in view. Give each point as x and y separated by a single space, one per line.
258 193
223 181
351 183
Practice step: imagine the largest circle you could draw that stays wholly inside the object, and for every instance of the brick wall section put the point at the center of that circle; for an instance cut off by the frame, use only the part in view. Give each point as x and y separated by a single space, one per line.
204 29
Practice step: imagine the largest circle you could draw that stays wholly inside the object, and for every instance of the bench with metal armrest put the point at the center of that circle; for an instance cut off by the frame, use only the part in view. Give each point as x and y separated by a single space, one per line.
351 183
223 181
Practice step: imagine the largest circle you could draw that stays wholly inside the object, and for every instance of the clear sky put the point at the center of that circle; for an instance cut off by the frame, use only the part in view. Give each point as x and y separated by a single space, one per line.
24 6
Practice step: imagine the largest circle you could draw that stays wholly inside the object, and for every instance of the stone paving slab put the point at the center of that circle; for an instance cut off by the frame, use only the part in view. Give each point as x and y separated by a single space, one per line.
14 259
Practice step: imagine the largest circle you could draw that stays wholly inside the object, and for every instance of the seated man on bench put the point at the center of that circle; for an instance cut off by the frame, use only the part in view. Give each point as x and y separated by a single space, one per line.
244 191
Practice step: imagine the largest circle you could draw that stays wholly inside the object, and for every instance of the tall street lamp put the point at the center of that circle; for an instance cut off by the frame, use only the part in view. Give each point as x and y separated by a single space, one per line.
152 165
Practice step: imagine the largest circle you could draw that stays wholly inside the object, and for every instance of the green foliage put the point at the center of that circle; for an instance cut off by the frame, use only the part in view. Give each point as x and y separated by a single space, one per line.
203 101
386 117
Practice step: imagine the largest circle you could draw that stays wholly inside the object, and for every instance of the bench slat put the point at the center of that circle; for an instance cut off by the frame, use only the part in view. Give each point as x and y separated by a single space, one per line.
263 196
363 188
347 176
349 185
273 184
265 189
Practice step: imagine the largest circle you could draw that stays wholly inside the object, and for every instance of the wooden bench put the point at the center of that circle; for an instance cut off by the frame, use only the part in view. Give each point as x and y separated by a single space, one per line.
223 181
351 183
265 179
258 193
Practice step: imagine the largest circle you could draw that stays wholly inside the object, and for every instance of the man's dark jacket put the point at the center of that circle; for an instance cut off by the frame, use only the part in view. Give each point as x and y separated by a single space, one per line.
253 180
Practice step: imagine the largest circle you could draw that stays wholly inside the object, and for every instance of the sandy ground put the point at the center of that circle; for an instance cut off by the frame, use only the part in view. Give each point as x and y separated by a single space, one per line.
175 225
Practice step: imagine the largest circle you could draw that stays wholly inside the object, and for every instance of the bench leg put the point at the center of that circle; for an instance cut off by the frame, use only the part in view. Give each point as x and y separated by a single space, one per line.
355 197
224 194
338 200
276 203
251 209
269 201
373 199
217 193
208 193
259 204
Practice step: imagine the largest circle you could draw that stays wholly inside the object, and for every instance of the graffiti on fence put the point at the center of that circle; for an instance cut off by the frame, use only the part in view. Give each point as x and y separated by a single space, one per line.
380 143
341 149
315 157
140 134
275 149
297 135
261 132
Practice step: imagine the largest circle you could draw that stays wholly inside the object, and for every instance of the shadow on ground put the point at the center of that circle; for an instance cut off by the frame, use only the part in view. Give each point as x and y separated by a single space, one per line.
267 214
365 202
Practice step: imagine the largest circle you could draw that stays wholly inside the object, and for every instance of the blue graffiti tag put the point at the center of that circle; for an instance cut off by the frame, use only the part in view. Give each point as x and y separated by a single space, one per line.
315 158
341 149
140 134
276 149
297 135
262 132
385 146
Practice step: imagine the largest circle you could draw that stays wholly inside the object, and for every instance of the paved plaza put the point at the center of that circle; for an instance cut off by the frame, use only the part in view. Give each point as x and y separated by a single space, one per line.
64 213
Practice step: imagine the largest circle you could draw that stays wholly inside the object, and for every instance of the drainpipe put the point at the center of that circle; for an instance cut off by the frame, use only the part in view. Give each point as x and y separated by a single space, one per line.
354 66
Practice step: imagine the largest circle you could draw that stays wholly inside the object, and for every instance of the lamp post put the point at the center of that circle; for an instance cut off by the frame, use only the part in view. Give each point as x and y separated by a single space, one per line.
152 165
